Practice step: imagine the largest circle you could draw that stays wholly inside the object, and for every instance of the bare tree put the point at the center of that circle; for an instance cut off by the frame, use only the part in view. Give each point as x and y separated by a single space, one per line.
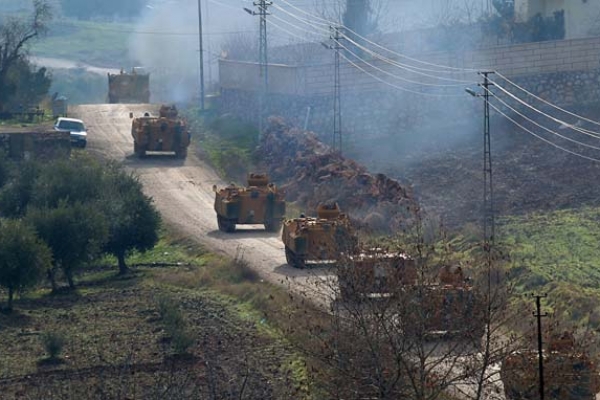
15 35
408 327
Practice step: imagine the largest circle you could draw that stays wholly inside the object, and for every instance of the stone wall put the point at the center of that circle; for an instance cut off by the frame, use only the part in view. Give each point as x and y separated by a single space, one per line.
564 72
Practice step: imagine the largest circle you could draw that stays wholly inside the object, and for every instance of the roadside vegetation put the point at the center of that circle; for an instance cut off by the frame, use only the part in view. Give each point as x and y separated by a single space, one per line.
79 209
183 324
227 142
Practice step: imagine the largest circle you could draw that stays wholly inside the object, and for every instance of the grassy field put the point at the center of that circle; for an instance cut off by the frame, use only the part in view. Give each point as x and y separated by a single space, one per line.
554 253
119 339
94 43
558 253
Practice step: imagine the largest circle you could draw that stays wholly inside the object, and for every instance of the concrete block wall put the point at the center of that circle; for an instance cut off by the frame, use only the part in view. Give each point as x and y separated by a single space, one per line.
563 72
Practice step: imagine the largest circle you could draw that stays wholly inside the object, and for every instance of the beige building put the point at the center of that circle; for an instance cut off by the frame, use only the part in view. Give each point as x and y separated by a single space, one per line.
582 17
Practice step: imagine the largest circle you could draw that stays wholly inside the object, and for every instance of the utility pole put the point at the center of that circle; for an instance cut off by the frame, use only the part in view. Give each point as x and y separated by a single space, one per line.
538 314
336 36
201 55
263 6
488 187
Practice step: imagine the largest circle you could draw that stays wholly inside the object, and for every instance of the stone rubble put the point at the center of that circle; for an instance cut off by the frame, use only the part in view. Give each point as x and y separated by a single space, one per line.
313 174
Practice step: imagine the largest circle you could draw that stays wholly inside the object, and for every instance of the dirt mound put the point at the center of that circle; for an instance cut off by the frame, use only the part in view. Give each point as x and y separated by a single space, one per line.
314 174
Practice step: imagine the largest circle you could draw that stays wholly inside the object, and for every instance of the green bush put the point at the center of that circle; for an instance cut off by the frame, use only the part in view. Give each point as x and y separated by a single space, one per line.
53 344
175 325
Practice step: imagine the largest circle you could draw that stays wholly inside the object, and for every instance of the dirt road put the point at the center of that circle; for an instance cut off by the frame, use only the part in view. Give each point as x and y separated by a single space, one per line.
182 191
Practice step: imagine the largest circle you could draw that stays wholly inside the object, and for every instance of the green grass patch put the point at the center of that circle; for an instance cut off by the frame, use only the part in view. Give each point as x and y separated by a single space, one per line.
555 253
228 144
95 43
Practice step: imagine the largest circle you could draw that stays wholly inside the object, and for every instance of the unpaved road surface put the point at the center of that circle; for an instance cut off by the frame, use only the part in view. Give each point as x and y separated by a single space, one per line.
182 191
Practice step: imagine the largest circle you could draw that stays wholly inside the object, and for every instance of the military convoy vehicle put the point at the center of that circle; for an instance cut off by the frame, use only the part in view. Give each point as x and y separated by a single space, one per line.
165 133
260 202
374 272
449 304
318 240
131 87
569 374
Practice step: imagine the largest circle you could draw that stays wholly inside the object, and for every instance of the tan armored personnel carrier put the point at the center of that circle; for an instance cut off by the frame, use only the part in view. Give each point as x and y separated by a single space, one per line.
374 272
165 133
131 87
450 305
321 239
453 307
568 374
258 203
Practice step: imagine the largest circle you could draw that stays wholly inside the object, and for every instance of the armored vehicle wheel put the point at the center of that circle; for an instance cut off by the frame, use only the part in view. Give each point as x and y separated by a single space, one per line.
139 150
294 260
273 226
181 153
225 225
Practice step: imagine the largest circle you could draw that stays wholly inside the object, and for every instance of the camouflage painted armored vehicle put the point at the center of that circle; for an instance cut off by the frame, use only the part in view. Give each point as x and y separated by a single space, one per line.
165 133
453 306
321 239
568 373
260 202
131 87
444 305
374 272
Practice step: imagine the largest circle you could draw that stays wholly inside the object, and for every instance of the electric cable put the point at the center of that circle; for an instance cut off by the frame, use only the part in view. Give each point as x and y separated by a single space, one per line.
407 67
546 101
391 74
380 69
593 134
396 86
540 125
541 138
451 69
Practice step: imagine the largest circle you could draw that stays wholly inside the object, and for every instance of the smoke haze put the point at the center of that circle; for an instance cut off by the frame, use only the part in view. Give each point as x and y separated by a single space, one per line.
167 44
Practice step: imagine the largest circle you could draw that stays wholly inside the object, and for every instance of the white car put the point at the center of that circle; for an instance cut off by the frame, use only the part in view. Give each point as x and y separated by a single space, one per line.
77 129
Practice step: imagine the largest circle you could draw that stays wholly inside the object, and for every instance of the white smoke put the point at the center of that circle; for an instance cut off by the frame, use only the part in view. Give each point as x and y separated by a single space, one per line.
166 44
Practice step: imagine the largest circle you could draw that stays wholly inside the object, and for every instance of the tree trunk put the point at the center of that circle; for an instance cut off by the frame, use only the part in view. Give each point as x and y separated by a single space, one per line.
52 279
69 274
123 269
10 298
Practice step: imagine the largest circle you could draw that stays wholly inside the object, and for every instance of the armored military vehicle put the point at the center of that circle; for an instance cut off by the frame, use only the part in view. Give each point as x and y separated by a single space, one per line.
318 240
569 374
131 87
165 133
260 203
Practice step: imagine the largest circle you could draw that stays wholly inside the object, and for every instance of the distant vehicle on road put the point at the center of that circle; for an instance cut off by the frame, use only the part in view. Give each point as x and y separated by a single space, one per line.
131 87
75 127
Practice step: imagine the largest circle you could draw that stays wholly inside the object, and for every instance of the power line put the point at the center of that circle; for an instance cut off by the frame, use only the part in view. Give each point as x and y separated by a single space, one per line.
593 134
393 75
547 102
262 12
379 56
407 67
546 128
541 138
448 68
396 86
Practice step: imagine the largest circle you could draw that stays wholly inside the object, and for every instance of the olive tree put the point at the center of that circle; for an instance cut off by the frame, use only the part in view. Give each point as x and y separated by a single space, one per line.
23 257
75 234
133 221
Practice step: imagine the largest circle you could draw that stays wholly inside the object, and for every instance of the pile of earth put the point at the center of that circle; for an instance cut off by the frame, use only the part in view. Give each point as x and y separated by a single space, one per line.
314 174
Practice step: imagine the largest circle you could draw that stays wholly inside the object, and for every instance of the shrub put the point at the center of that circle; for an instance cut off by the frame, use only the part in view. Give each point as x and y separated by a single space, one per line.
53 344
